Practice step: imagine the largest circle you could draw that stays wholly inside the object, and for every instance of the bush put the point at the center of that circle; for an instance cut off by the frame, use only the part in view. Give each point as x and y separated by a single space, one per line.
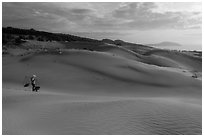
40 39
22 37
18 40
4 39
9 37
30 37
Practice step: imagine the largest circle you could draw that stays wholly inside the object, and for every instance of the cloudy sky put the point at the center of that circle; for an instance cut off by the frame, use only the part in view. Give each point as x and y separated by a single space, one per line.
146 23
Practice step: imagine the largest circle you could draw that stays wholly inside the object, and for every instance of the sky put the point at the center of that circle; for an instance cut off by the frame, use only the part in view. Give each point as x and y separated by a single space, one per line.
144 23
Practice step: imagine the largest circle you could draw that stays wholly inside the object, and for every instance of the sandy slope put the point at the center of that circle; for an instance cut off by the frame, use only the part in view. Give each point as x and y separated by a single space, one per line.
180 60
84 92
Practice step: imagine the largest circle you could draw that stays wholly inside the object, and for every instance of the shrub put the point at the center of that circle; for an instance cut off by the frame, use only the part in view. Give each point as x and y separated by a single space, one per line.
30 37
40 39
4 39
18 40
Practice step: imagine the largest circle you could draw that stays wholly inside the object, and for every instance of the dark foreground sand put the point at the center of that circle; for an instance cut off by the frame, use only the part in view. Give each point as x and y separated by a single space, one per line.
111 92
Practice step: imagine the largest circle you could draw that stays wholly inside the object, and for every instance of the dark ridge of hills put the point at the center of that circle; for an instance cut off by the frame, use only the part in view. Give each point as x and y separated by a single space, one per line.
17 35
42 35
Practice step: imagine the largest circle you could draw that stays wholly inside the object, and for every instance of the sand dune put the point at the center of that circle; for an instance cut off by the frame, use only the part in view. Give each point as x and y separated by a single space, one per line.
110 91
181 60
163 58
157 57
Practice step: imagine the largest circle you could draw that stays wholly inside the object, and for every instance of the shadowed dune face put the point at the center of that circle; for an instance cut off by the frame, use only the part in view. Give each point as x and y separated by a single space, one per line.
109 91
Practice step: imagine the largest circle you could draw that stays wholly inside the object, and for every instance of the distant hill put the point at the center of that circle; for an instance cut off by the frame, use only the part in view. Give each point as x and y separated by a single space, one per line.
165 44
